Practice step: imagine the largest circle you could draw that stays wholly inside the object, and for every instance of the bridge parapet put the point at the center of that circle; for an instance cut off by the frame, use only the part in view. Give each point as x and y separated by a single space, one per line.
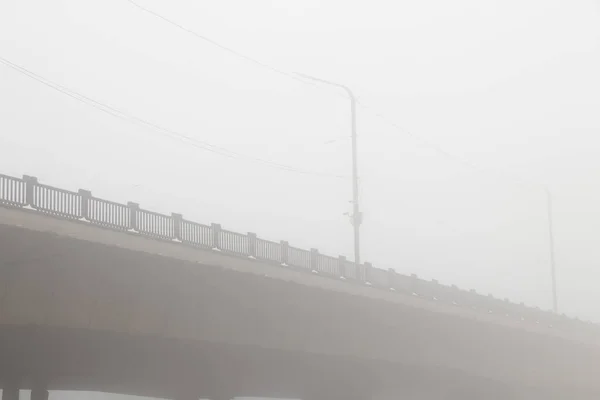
28 193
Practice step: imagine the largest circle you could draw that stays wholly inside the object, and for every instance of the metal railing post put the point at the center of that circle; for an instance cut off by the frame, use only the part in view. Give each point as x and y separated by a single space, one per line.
133 215
251 244
30 182
216 233
414 283
177 218
285 246
314 260
85 196
392 278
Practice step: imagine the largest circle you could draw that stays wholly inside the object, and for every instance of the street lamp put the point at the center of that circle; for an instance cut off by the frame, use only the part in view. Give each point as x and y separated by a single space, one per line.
356 214
551 243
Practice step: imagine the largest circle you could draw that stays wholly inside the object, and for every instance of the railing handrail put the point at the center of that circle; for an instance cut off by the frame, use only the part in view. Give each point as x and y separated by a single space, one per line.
112 203
411 285
187 221
60 190
154 213
14 190
233 233
270 242
12 178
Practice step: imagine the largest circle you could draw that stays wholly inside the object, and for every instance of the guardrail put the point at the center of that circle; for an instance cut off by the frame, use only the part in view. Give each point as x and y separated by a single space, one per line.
28 193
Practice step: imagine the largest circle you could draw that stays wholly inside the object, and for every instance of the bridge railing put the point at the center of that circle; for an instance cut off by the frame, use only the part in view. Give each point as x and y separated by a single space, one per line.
267 250
328 265
233 242
28 193
13 191
298 258
151 223
105 213
51 200
195 234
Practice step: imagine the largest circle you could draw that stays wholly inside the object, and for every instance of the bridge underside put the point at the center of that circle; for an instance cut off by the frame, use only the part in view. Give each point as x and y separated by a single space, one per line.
60 359
78 315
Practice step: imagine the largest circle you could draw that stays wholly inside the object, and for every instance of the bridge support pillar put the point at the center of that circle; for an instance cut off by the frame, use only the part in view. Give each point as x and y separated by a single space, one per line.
10 393
39 394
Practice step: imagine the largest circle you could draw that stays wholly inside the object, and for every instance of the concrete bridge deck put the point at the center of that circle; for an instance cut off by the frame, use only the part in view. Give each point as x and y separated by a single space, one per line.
85 307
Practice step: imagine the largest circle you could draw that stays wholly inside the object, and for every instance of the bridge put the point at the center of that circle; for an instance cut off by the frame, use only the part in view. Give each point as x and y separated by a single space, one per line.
101 296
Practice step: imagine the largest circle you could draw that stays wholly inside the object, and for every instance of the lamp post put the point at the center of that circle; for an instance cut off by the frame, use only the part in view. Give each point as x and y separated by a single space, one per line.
551 244
356 214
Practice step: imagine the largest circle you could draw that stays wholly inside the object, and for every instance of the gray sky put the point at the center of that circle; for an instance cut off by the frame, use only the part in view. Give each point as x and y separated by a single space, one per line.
511 86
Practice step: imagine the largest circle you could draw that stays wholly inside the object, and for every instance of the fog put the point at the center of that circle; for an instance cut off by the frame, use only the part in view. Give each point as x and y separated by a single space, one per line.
486 104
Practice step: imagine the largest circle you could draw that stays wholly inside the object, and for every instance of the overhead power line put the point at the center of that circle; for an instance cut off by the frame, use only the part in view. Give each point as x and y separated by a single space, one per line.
418 138
425 142
200 144
219 45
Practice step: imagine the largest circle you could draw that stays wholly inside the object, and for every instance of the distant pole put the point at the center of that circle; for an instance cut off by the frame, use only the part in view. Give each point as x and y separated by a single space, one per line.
356 214
551 243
